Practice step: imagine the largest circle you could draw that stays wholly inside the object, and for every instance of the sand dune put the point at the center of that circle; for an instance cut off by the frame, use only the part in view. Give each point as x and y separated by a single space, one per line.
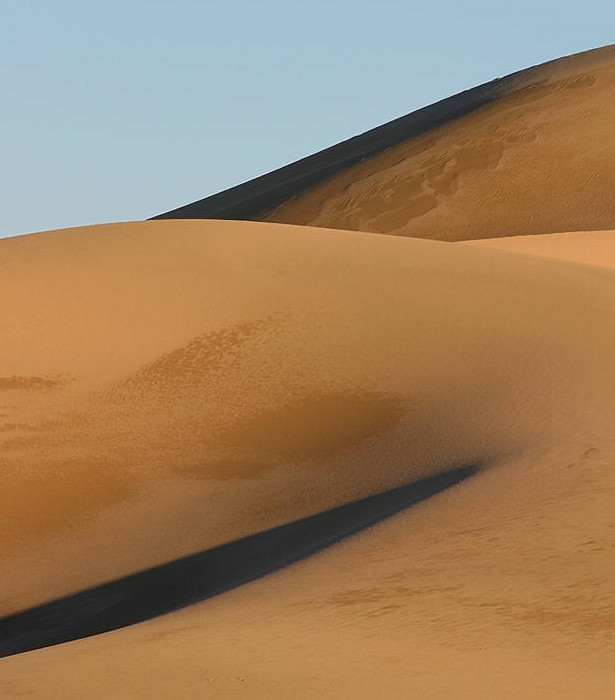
193 382
202 381
186 388
587 247
531 153
538 159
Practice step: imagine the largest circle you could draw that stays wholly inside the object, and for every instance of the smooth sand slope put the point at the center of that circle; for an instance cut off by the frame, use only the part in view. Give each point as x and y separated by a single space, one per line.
193 382
537 159
587 247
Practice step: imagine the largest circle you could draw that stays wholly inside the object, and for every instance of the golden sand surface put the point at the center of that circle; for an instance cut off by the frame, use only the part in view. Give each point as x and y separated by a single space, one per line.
195 381
539 159
587 247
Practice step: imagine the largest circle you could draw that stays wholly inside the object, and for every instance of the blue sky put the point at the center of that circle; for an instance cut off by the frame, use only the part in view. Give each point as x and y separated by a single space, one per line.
119 110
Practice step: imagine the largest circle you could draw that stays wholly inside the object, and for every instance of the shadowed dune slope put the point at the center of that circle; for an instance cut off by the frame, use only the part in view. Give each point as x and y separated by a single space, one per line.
528 154
539 159
176 584
194 382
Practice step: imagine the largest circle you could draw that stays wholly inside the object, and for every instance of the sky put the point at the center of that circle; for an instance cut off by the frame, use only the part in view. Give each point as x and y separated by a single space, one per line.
123 109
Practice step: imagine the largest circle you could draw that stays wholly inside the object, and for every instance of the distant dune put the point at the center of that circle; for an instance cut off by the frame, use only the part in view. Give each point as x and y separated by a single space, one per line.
173 387
532 153
538 159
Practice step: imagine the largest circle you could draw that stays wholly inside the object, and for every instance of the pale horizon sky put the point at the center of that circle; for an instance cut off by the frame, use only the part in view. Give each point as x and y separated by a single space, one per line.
124 109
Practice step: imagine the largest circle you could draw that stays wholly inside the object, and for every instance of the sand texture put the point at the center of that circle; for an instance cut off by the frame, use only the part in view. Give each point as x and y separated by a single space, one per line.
530 153
170 388
587 247
193 382
538 159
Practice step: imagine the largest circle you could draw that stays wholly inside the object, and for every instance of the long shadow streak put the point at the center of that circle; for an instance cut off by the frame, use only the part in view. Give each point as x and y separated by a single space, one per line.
164 588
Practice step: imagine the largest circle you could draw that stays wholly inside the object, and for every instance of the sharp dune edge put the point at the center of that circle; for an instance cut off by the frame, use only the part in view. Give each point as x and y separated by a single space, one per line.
531 153
538 159
167 387
181 582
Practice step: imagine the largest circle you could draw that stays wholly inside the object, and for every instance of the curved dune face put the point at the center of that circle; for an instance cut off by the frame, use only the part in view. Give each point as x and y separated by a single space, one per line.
539 159
587 247
170 386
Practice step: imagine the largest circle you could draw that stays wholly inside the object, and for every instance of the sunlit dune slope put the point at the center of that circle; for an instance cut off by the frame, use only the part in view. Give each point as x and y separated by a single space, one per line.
537 159
587 247
169 386
500 588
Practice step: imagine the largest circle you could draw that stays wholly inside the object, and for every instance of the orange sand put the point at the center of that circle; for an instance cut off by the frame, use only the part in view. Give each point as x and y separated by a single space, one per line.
168 386
539 159
200 378
588 247
195 381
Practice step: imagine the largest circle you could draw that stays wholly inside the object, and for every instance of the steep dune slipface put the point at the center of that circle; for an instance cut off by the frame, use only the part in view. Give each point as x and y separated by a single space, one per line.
538 159
502 587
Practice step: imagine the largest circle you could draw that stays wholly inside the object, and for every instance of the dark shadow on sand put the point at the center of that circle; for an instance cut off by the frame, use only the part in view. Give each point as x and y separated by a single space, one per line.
252 199
164 588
